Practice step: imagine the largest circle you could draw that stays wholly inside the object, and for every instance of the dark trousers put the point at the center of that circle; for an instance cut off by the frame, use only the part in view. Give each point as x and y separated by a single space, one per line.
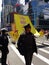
28 58
4 58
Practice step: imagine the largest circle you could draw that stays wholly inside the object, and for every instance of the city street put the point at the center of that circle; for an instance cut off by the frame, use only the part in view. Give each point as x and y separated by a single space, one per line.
24 17
42 58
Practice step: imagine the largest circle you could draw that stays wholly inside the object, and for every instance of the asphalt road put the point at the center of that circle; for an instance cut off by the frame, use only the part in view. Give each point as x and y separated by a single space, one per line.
42 58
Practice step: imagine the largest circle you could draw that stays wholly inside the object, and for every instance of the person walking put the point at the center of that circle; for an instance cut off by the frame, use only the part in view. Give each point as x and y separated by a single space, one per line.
4 42
27 44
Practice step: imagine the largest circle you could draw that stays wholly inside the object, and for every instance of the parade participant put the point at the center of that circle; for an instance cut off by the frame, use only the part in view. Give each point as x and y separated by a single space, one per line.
27 44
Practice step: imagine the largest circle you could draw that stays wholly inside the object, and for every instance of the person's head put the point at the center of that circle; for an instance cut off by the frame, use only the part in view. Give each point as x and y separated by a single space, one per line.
27 28
4 31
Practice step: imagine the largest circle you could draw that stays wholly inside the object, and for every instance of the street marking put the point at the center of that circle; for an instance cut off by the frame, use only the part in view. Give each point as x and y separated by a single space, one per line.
22 57
8 63
0 54
42 58
44 51
47 47
17 52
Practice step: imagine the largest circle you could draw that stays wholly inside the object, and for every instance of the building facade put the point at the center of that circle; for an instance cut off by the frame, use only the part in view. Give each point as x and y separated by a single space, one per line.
7 2
5 11
38 13
7 7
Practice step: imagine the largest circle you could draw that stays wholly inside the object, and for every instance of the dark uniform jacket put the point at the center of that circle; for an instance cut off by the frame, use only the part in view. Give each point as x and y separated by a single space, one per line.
0 43
26 43
4 43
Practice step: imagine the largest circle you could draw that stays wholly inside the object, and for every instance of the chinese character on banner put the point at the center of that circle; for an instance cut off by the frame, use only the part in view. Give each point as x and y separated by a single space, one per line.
22 20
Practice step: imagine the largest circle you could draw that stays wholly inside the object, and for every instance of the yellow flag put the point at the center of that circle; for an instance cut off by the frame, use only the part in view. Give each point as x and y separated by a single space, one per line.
21 21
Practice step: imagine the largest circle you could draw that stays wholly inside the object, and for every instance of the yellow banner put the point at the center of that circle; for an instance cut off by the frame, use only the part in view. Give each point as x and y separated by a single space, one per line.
20 21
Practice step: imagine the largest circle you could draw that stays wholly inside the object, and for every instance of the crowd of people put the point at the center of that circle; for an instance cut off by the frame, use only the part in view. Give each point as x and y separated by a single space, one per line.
26 45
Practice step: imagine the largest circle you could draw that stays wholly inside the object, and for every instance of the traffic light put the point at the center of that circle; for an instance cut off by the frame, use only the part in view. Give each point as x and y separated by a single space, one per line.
46 0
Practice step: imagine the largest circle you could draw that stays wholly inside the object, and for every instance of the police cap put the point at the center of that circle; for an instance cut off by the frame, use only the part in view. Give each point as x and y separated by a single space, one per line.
4 30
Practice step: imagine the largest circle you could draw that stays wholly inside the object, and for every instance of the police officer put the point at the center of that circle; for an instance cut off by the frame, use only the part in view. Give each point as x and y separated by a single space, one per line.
27 44
4 41
0 41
